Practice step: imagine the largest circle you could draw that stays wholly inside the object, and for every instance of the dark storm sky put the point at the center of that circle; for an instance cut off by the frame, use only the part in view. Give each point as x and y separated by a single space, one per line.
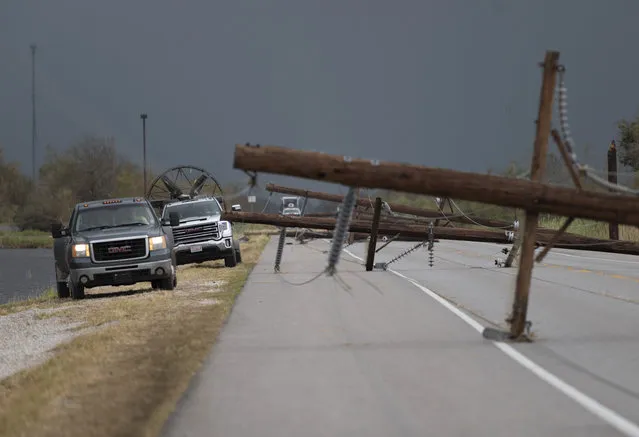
449 83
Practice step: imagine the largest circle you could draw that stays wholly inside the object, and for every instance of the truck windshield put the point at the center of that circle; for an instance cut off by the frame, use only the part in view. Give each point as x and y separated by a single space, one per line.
113 216
193 210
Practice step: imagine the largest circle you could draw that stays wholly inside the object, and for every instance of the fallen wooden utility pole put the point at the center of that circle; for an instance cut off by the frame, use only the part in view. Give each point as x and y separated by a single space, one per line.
394 207
413 231
497 190
365 215
422 215
418 231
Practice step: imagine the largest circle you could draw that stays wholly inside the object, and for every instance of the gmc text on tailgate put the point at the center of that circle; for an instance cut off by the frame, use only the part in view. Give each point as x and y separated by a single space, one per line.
113 242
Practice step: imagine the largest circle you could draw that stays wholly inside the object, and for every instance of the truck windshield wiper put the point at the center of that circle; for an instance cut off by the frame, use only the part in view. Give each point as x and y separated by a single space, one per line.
129 224
95 228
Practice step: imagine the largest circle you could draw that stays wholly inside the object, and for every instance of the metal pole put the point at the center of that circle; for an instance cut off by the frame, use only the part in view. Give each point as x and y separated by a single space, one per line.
33 114
144 117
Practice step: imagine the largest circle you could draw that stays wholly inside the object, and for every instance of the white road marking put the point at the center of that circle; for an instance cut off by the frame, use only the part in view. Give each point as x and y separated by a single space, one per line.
606 414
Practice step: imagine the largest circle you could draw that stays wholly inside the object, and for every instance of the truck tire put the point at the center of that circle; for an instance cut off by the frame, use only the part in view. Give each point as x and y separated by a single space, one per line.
231 260
63 290
238 256
238 252
168 283
77 290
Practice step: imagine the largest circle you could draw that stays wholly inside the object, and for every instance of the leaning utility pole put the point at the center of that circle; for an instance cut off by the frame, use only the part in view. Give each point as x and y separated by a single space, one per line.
33 115
538 166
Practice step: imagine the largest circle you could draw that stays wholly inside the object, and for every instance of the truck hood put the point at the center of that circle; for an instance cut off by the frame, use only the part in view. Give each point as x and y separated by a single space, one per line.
194 221
123 232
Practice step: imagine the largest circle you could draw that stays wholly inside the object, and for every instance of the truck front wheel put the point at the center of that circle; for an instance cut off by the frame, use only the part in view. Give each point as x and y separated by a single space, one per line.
63 290
231 260
77 290
238 252
168 283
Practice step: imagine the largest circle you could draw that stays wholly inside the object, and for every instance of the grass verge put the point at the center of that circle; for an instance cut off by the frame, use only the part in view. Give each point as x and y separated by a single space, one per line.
591 228
125 376
25 240
47 299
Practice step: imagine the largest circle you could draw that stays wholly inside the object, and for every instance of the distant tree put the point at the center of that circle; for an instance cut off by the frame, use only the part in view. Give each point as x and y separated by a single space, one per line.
88 170
628 146
14 189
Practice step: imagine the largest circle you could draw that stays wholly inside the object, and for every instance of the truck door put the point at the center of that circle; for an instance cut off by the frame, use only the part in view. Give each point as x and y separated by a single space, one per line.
62 252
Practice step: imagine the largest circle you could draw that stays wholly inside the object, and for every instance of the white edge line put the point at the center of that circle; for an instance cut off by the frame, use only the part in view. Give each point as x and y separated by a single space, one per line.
606 414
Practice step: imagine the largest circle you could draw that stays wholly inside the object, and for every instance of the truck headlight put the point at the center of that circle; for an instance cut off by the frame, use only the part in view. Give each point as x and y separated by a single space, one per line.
80 250
157 243
225 228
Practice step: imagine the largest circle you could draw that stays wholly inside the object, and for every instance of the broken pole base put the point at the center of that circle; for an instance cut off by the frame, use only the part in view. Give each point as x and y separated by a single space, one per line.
504 336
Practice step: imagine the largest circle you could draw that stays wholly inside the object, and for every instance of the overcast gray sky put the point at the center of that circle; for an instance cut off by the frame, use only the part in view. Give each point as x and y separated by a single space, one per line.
448 83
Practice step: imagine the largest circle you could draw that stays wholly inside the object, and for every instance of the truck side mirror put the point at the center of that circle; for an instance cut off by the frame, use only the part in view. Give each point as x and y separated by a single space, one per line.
236 208
174 219
57 230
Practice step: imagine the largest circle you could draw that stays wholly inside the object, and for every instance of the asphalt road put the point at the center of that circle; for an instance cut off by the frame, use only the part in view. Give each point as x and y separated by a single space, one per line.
391 356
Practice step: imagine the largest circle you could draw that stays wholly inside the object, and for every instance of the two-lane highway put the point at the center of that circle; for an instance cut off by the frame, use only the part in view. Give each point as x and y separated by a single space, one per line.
390 354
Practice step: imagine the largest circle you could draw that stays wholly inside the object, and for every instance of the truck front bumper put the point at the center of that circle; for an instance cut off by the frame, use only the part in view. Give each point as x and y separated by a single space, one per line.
123 274
203 250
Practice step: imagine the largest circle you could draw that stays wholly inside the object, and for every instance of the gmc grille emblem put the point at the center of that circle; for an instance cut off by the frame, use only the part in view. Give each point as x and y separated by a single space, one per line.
120 249
193 230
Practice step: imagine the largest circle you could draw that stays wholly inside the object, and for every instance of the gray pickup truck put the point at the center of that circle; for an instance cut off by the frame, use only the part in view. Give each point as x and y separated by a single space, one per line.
113 242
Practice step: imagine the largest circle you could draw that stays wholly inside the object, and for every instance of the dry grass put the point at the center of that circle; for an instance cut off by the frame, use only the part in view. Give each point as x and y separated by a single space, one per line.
591 228
125 376
25 240
48 298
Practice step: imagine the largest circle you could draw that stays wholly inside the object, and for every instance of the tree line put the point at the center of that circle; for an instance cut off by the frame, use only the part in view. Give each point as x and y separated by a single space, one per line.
87 170
92 169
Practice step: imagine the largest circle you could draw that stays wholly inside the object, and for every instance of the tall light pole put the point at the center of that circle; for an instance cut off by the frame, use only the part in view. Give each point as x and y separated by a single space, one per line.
33 115
143 117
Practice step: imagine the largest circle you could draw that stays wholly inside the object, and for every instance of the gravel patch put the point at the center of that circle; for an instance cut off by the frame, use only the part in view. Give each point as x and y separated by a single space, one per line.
26 340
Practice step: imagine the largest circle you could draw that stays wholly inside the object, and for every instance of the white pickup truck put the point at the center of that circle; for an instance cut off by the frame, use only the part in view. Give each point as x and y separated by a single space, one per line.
201 235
